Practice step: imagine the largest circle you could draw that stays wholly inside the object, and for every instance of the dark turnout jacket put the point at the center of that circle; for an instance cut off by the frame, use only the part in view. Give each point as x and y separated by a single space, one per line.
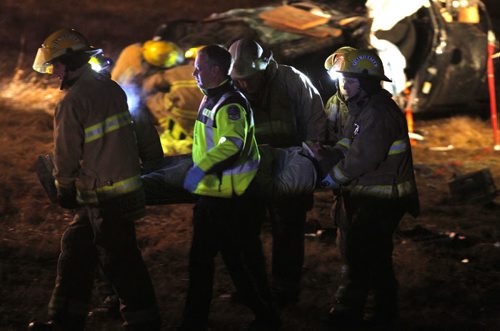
288 110
378 160
96 152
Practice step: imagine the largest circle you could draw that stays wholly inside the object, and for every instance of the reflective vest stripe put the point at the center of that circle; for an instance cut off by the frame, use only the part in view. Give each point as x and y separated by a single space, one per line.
238 142
167 102
398 147
184 83
248 166
383 191
276 127
109 191
110 124
184 113
176 131
209 138
339 175
344 142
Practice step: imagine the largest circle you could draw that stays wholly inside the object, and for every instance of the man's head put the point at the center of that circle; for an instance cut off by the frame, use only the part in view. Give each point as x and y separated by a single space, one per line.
65 48
212 66
250 63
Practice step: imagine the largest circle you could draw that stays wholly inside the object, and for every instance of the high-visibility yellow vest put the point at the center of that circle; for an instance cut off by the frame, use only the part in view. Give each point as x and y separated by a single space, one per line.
224 144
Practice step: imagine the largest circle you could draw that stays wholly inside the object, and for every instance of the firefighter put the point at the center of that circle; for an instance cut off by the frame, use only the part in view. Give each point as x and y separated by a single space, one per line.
173 97
226 159
288 110
336 113
97 173
140 60
336 107
159 75
375 177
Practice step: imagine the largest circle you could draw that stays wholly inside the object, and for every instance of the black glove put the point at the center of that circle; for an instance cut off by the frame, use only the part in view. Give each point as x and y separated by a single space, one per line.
328 158
66 198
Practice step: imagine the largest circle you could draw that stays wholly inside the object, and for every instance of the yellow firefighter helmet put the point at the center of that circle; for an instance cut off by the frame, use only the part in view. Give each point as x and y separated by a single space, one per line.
60 43
363 63
162 53
192 52
337 55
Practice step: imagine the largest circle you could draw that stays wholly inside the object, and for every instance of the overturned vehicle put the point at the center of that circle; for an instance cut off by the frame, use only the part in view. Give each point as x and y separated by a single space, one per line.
435 54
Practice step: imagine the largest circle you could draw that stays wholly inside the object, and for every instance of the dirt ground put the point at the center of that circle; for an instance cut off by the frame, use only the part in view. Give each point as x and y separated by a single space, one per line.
447 260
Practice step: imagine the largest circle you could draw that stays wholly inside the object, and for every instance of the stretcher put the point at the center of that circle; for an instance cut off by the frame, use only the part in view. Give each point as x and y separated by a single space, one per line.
283 172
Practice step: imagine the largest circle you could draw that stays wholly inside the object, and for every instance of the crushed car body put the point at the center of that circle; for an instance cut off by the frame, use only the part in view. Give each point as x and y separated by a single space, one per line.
432 67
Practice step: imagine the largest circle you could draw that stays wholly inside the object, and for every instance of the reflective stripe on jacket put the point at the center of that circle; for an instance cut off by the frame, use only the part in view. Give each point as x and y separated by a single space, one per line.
224 145
176 99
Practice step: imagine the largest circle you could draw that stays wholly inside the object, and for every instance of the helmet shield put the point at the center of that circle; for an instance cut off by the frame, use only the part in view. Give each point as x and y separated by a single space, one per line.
42 61
60 43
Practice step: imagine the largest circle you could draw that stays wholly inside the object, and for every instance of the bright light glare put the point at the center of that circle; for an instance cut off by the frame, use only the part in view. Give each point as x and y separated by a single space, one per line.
133 97
334 75
95 66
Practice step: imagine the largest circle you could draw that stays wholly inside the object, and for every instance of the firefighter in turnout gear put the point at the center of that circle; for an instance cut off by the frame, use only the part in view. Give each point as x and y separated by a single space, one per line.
336 113
375 177
336 107
157 77
172 98
288 110
226 158
97 173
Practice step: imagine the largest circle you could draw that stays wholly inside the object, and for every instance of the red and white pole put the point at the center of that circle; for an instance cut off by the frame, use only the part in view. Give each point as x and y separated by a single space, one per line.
491 86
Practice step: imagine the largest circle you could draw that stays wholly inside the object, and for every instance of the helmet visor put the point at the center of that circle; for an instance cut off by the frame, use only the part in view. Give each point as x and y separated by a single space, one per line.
42 61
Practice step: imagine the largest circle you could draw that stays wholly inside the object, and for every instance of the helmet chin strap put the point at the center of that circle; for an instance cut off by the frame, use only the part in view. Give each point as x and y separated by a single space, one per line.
64 79
67 79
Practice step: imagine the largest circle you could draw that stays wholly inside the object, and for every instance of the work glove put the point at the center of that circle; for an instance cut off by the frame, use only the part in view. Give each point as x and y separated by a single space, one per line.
326 156
66 198
193 177
329 182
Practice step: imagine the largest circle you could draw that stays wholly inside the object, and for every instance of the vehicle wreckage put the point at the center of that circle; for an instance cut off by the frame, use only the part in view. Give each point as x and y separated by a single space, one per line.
421 44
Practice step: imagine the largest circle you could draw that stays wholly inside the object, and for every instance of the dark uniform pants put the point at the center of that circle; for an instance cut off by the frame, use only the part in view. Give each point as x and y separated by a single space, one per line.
366 243
227 226
288 219
92 239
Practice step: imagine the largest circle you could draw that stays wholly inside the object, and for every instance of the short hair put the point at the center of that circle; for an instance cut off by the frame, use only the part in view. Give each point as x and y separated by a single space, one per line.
219 56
